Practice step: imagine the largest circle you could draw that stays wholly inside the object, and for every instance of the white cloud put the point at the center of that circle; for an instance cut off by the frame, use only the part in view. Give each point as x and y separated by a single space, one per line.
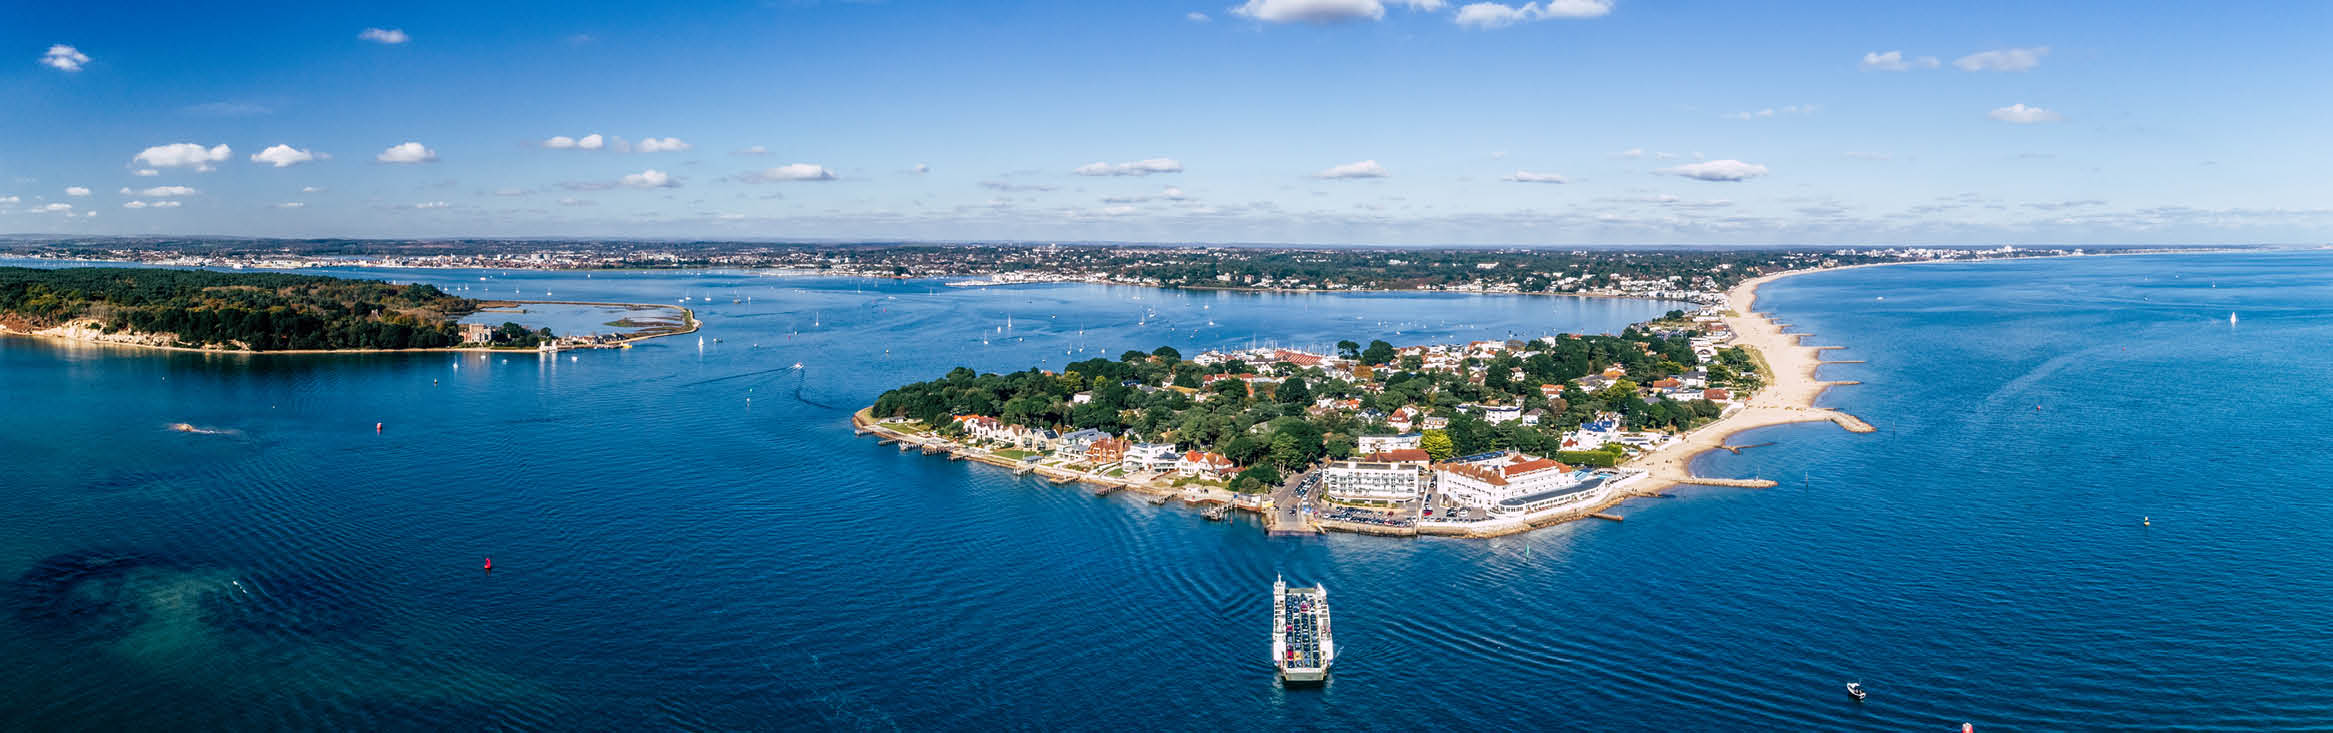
921 168
2019 114
165 191
1172 192
1530 177
64 58
182 155
1362 169
8 200
588 142
311 189
56 208
1486 16
150 204
1311 11
291 204
146 172
406 153
431 205
651 178
1895 61
282 156
1196 17
2006 59
792 172
1630 153
76 191
1717 170
752 150
665 145
133 204
1137 168
389 36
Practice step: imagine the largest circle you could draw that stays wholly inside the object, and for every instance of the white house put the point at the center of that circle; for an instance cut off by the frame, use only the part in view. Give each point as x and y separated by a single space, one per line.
1381 443
1152 457
1365 481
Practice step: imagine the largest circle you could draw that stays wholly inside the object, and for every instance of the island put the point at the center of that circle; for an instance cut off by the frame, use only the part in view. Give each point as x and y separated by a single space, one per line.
202 310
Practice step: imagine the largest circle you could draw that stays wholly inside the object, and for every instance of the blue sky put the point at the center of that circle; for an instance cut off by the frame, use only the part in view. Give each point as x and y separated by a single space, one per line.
1314 121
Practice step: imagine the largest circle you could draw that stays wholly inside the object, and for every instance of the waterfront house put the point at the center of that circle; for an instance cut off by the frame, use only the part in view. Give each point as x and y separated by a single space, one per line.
1212 465
1371 481
1158 457
1079 442
1106 450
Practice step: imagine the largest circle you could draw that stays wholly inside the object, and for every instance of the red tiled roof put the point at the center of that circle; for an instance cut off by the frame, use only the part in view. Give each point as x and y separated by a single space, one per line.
1404 455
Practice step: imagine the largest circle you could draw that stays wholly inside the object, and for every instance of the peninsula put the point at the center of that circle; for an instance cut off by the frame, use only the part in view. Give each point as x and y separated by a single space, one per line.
1476 439
203 310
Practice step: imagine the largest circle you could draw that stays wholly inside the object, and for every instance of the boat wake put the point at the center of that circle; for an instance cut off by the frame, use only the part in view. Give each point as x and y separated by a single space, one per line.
199 430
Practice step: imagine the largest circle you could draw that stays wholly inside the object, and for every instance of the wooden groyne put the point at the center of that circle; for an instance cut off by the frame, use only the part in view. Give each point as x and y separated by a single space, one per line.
1739 483
1737 449
1852 423
1842 361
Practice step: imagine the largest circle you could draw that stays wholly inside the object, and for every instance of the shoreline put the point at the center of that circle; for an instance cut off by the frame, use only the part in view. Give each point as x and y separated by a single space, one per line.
1788 398
689 322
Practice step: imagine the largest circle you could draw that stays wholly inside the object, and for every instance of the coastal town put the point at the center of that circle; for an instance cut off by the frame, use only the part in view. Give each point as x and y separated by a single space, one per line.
1475 439
1678 273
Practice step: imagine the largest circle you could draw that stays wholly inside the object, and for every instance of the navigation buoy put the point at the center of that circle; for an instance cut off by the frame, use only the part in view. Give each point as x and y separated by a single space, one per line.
2146 521
376 427
489 564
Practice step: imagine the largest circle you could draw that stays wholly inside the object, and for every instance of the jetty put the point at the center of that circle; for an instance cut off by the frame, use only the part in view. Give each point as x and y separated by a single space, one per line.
1608 516
1744 483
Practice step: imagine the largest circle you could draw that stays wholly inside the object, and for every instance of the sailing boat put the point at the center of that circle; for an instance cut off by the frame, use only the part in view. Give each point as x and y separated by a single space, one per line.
2231 318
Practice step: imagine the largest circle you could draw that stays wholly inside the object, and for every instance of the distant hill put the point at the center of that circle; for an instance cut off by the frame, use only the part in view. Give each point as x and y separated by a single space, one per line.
230 310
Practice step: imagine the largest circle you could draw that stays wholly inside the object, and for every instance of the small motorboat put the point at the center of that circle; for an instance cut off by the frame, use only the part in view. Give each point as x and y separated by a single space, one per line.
1856 689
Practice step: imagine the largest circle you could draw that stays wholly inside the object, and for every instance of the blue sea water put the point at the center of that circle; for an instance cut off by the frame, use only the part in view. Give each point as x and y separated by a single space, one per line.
687 535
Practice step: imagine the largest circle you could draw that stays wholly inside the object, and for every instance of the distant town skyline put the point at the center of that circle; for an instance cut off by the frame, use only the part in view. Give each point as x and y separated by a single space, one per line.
1266 121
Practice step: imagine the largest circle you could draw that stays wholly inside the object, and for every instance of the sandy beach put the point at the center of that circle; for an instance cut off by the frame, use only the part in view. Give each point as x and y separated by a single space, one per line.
1788 397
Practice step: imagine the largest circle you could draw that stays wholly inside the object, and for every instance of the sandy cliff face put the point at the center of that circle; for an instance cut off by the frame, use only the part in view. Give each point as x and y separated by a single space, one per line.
90 331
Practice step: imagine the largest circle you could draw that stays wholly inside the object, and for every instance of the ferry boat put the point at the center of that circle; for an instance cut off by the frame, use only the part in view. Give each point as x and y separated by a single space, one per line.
1302 647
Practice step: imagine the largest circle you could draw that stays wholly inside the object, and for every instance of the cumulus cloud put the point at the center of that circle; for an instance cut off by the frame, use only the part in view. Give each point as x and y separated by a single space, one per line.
2005 59
1362 169
146 172
409 152
1530 177
387 36
68 208
150 204
64 58
162 192
663 145
1895 61
76 191
291 205
791 172
588 142
1486 16
1717 170
1136 168
1631 153
1313 11
182 155
2019 114
431 205
1196 17
751 150
282 156
651 178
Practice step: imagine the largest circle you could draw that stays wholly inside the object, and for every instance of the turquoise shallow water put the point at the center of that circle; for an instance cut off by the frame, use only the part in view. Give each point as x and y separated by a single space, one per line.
690 537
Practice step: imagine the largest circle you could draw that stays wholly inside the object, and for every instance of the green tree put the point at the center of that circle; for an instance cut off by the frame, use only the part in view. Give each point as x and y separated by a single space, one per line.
1379 352
1348 350
1437 444
1293 391
1167 354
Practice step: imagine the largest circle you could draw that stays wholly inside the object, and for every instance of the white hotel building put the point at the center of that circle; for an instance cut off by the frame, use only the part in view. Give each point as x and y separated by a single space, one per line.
1367 481
1518 484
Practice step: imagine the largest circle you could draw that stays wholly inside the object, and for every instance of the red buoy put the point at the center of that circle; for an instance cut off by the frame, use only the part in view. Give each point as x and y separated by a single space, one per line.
490 564
376 427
